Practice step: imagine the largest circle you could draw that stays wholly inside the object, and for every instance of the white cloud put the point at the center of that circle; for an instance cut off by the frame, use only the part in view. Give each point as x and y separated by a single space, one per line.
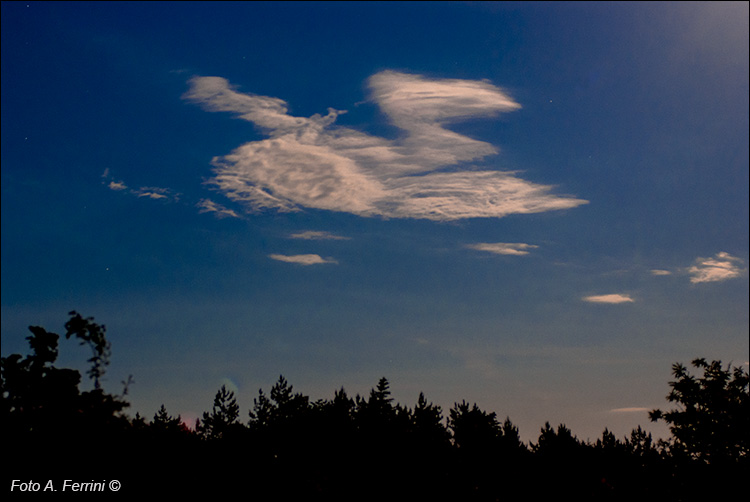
660 272
719 268
209 206
317 235
302 259
151 194
611 298
117 185
508 248
156 193
309 162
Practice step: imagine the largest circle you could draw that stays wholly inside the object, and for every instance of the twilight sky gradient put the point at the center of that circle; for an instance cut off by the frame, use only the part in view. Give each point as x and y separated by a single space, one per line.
537 207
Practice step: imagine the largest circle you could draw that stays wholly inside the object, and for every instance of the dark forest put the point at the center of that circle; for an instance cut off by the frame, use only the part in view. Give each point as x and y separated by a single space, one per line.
352 448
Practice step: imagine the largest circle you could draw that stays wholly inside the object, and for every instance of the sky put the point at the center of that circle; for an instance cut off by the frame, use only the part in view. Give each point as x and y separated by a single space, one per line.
534 207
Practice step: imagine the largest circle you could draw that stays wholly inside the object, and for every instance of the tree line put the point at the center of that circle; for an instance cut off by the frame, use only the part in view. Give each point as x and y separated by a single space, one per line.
358 448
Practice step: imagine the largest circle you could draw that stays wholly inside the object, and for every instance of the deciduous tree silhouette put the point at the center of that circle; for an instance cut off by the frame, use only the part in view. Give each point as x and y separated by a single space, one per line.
91 334
47 421
711 423
39 398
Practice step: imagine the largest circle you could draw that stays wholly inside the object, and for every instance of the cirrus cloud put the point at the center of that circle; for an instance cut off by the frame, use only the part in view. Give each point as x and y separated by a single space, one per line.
308 162
315 235
630 410
302 259
209 206
156 193
505 248
659 272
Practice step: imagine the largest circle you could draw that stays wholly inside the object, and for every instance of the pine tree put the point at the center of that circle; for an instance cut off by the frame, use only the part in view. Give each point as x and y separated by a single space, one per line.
223 417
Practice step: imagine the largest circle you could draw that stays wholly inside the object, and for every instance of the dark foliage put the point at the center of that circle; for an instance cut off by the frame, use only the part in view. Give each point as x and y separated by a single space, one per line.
361 448
710 427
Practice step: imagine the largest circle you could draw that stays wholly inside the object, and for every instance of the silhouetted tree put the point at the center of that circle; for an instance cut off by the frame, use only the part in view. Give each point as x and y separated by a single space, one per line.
91 334
427 424
163 422
486 466
381 425
289 406
338 412
363 448
567 463
712 422
473 429
262 413
556 443
377 411
39 398
223 418
48 424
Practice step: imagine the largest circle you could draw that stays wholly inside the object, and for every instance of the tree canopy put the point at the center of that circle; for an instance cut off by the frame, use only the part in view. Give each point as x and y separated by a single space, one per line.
711 420
295 448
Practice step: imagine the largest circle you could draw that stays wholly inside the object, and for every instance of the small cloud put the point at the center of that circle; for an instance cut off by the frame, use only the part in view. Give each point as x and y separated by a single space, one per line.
719 268
117 185
209 206
152 195
318 235
156 193
660 272
507 248
302 259
611 299
629 410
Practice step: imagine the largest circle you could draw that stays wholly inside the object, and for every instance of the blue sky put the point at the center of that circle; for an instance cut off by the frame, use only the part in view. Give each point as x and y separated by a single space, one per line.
537 207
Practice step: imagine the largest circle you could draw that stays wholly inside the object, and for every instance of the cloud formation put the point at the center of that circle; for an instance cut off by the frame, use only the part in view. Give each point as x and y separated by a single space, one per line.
302 259
147 192
310 163
315 235
152 192
630 410
506 248
117 185
209 206
719 268
660 272
614 298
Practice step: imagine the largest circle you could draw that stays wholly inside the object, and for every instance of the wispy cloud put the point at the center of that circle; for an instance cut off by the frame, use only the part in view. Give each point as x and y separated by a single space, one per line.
209 206
315 235
302 259
614 298
719 268
506 248
150 193
630 410
117 185
309 162
660 272
147 192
